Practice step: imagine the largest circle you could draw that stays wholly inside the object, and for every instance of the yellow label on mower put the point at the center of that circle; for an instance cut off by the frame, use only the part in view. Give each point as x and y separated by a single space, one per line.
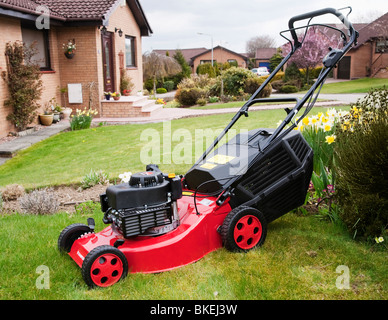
208 165
221 159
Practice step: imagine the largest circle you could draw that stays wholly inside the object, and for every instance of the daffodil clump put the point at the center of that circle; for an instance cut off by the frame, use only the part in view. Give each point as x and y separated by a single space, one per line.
324 123
82 119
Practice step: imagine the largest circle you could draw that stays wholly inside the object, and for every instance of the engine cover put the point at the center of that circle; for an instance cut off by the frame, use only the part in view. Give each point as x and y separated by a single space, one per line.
125 196
147 201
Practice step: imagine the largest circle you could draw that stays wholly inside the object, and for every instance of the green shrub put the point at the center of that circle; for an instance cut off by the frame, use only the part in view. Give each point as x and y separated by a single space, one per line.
161 90
93 178
201 101
292 73
288 89
169 85
277 84
189 97
207 68
234 80
214 99
193 88
361 162
23 79
252 84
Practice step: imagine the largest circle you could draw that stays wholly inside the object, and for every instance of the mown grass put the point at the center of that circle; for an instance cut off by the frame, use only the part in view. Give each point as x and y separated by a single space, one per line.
363 85
298 261
67 157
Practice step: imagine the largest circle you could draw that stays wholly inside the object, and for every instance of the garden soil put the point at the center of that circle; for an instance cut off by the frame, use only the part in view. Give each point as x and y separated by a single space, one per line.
68 196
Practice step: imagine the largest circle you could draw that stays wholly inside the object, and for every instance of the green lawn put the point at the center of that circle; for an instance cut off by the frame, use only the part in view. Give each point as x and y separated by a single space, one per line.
67 157
363 85
299 259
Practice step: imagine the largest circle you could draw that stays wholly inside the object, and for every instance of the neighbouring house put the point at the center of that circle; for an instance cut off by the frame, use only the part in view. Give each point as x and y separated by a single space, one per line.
196 56
263 56
187 53
220 55
369 58
107 35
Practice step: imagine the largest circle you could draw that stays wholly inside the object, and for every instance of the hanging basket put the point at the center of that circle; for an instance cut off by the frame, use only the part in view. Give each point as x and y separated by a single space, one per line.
69 55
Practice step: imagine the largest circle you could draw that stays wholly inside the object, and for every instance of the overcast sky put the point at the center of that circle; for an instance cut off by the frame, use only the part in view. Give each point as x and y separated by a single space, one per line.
176 23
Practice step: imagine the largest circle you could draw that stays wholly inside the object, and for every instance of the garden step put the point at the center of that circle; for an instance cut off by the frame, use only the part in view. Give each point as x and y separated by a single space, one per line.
129 107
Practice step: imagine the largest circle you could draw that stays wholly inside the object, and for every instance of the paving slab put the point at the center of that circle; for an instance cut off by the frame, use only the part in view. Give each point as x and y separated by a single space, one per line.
10 148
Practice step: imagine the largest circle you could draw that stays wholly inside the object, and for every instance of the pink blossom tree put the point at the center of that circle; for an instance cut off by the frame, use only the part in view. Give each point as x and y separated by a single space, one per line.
315 46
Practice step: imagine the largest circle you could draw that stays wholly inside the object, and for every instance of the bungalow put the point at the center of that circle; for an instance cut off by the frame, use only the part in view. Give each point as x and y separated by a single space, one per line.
263 56
220 55
196 56
369 58
107 35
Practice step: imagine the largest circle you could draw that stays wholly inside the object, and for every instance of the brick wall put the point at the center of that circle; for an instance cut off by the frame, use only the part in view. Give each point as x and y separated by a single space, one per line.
123 18
83 67
10 31
86 66
220 56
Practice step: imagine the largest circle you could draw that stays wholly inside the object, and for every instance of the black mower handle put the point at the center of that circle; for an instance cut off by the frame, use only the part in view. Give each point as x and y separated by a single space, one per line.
317 13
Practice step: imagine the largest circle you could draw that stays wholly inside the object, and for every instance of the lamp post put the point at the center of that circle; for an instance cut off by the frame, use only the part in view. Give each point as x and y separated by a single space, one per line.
211 37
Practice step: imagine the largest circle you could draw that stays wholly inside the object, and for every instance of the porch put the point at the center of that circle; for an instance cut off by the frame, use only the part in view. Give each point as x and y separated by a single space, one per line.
129 107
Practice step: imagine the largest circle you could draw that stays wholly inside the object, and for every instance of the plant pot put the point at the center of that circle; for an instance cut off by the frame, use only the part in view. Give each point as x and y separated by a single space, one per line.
116 98
56 117
69 55
107 96
126 94
66 113
46 119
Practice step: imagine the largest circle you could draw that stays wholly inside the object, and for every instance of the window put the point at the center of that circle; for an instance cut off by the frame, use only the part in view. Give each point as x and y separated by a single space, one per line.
207 61
381 46
40 37
130 57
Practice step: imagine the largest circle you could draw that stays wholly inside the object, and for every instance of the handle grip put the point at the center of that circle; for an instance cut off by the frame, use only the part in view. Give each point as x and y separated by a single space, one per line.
317 13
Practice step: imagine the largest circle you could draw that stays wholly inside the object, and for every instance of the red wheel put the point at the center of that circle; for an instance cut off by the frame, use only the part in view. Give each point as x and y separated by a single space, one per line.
243 229
104 266
247 232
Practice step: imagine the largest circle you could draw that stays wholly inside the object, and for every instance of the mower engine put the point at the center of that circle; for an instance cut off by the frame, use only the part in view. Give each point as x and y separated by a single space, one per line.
144 206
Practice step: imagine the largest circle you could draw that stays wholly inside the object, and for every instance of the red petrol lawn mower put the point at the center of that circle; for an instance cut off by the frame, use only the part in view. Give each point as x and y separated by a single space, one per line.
159 222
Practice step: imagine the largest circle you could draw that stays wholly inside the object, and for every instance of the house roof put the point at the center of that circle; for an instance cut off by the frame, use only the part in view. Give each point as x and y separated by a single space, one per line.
187 53
375 29
71 11
265 53
222 48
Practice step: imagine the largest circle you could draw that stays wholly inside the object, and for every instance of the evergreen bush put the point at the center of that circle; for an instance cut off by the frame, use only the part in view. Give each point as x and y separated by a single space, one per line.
361 166
24 84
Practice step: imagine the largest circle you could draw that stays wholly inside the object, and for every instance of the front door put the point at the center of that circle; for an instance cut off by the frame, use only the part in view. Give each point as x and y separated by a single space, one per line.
344 68
107 61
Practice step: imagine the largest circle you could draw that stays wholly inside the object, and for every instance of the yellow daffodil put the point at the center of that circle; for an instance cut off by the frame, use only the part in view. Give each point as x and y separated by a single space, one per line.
330 139
327 128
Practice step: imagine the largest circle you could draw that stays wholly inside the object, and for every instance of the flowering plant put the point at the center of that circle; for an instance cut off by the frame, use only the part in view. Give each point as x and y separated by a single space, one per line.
126 92
82 119
69 47
115 94
160 101
125 177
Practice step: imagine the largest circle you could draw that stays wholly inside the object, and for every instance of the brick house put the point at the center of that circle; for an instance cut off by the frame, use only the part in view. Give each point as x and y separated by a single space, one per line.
107 34
263 56
196 56
369 58
220 55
